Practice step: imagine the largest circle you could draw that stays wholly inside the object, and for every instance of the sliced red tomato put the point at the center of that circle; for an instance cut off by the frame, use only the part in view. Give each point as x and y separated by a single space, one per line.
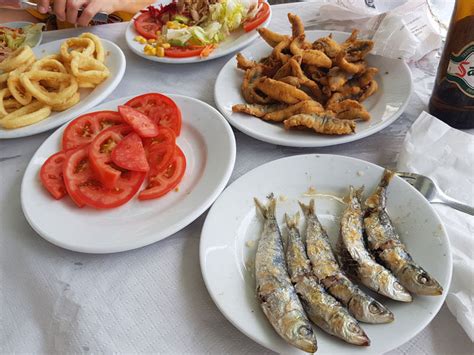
147 26
184 52
83 129
160 108
160 156
83 184
165 136
51 175
100 151
140 122
161 183
129 154
259 18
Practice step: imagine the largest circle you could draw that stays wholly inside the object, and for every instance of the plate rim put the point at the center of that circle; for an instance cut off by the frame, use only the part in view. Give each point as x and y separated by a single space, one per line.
169 231
191 60
31 131
419 327
297 143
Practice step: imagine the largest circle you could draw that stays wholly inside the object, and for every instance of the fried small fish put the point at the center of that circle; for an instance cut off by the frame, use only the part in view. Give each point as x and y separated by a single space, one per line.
323 309
244 63
337 78
281 91
385 244
328 272
275 291
272 38
310 56
251 78
329 46
297 27
367 271
351 68
324 123
355 48
349 110
258 110
307 106
280 48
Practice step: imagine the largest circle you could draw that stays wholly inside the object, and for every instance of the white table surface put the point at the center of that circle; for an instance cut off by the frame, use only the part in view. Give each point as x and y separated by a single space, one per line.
57 301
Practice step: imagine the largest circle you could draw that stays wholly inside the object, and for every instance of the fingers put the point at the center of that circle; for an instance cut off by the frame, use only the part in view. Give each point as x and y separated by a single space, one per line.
72 8
89 12
59 8
43 6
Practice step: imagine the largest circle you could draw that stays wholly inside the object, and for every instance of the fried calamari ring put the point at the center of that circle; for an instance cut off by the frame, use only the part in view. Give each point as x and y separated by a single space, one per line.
99 52
17 58
73 100
88 69
32 82
50 63
17 89
79 45
281 91
323 123
25 116
4 96
3 80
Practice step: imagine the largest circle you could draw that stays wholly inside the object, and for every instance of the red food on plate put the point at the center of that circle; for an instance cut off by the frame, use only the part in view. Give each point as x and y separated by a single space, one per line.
160 157
51 175
141 123
129 154
83 185
184 52
147 26
165 136
162 182
160 108
100 151
83 129
259 18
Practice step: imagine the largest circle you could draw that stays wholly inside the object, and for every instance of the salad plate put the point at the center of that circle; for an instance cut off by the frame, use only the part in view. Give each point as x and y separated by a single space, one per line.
385 106
115 61
208 143
233 42
33 34
230 235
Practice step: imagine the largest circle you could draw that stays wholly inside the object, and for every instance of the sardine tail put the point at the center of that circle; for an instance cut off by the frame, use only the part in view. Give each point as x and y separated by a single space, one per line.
387 176
308 210
267 211
292 222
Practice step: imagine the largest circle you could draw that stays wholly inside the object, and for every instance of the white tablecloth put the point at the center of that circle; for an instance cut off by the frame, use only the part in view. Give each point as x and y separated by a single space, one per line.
154 299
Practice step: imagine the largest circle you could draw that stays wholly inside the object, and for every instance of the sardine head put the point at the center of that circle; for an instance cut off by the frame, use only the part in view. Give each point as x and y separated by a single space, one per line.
418 281
302 335
397 292
353 333
369 310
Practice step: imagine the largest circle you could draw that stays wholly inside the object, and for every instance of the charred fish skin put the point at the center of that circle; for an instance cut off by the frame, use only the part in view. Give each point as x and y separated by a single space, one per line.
275 291
354 252
326 269
323 309
385 244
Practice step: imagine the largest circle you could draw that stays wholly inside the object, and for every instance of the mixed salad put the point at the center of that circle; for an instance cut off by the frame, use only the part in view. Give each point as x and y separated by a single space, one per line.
187 28
14 38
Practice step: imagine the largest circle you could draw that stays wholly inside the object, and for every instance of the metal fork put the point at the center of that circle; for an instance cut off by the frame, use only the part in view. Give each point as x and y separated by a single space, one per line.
433 193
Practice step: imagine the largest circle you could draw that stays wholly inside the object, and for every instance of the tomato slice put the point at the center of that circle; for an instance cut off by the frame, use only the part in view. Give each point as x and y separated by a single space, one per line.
161 183
259 18
83 129
82 183
51 175
140 122
147 26
165 136
160 157
129 154
100 151
184 52
160 108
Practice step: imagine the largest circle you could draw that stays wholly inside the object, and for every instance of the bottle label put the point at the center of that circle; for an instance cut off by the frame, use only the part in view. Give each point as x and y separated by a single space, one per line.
461 69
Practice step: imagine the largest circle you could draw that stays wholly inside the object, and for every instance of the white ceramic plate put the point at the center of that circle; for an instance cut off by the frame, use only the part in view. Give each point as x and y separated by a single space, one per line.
230 235
19 24
234 42
209 145
394 80
115 61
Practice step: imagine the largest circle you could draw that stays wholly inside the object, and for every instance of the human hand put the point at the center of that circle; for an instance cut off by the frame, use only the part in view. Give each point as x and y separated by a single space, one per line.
67 10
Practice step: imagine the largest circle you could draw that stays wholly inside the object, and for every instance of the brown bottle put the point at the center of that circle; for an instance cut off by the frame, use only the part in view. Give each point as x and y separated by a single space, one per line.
452 100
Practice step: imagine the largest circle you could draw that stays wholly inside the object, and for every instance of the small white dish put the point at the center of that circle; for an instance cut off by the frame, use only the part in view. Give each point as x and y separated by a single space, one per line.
385 106
208 143
19 24
115 61
234 42
232 228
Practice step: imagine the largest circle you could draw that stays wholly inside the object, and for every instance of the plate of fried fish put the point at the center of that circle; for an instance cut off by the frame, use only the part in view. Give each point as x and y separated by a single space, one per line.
312 88
333 254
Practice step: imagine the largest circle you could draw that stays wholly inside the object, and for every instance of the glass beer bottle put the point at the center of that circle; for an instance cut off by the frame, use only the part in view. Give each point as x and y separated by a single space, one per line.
452 100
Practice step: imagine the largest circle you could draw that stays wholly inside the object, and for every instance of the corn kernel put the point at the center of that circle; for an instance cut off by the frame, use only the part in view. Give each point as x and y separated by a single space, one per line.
138 38
166 45
160 52
142 40
158 33
147 47
151 40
